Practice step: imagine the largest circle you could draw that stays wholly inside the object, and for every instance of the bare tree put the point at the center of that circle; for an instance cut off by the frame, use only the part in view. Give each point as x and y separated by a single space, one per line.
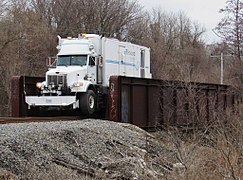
25 43
70 17
231 26
178 51
137 31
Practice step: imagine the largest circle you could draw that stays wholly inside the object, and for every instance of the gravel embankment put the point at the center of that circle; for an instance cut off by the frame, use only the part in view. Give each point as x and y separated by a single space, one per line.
88 149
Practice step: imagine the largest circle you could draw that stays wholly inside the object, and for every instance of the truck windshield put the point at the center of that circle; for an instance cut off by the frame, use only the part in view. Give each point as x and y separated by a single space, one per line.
73 60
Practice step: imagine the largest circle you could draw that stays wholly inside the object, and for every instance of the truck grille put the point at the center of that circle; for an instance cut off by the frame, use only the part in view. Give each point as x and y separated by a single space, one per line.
57 80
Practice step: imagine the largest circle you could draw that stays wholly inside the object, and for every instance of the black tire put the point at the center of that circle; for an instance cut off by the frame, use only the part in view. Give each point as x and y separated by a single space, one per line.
87 103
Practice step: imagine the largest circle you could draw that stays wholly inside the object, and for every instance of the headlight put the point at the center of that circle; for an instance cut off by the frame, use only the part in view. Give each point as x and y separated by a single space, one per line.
39 85
78 84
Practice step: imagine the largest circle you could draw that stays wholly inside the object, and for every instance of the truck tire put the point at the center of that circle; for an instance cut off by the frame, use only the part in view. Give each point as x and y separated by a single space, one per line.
87 102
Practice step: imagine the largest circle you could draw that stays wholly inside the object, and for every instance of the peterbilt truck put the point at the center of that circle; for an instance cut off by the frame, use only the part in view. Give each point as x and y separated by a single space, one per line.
80 78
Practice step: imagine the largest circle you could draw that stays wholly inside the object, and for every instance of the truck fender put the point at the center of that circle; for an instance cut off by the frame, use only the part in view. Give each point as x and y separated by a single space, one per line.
86 86
89 86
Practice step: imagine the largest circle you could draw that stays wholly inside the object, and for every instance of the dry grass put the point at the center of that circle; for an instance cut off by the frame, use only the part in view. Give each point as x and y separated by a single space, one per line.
216 153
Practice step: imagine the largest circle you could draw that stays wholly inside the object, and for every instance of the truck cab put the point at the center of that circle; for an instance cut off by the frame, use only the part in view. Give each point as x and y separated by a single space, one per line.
72 82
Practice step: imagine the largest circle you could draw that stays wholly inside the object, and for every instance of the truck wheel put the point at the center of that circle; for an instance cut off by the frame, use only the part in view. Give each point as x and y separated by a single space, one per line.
87 102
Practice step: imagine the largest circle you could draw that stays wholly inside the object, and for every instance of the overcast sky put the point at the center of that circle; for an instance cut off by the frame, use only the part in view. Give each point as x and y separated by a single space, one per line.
205 12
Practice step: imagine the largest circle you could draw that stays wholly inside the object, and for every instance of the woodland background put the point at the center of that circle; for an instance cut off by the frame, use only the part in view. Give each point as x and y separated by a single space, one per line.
29 29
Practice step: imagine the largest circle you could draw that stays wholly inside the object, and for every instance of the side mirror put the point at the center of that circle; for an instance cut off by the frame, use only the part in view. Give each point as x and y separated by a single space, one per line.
51 62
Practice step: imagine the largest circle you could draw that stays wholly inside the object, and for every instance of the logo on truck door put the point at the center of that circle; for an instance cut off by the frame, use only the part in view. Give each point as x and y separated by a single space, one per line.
128 52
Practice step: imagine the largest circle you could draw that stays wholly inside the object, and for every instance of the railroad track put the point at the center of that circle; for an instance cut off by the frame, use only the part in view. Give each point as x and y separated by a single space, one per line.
7 120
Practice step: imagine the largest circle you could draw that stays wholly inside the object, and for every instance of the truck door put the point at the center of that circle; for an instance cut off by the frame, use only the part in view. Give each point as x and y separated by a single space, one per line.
92 69
142 64
122 60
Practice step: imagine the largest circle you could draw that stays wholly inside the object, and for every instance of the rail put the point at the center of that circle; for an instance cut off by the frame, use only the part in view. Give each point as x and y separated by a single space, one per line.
8 120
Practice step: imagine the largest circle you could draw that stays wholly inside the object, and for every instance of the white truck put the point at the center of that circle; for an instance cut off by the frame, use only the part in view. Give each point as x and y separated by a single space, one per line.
80 77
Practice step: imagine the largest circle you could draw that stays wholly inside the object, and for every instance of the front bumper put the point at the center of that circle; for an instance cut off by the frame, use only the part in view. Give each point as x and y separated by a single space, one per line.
48 101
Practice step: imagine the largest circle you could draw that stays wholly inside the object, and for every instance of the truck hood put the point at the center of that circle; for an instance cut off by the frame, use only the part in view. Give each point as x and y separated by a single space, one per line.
66 70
